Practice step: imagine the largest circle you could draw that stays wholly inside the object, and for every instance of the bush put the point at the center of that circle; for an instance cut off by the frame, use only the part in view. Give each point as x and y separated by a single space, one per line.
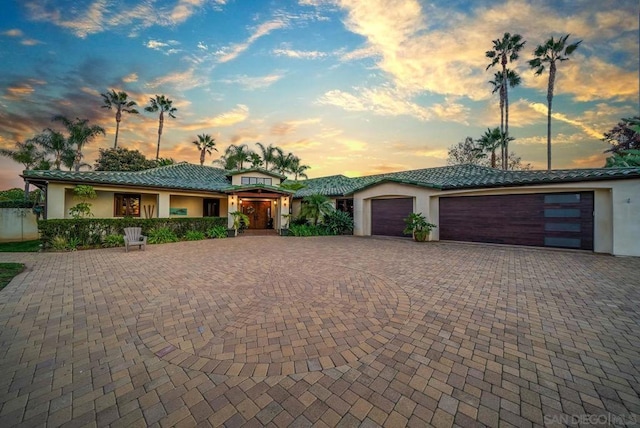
162 235
217 232
308 230
113 241
93 232
338 222
194 235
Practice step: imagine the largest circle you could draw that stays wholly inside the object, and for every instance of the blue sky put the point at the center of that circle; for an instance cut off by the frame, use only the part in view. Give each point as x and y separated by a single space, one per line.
350 86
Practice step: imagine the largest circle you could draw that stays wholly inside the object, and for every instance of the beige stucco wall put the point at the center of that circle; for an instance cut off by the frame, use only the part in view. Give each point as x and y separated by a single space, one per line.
18 224
236 180
192 204
616 208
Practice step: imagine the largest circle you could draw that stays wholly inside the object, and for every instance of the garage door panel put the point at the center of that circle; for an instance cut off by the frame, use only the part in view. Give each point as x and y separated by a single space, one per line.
387 216
557 220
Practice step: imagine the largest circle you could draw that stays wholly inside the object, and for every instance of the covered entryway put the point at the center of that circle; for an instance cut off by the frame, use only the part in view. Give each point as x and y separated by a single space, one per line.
259 213
387 216
543 220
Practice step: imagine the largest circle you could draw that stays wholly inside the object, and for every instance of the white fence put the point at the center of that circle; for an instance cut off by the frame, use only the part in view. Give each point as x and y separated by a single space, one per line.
18 224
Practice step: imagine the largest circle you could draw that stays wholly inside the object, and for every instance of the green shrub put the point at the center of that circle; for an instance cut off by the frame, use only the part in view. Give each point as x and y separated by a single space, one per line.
59 243
338 222
73 243
308 230
218 231
194 235
162 235
93 231
113 241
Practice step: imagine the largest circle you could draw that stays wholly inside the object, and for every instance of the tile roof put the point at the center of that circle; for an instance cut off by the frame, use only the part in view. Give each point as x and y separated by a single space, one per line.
196 177
260 170
177 176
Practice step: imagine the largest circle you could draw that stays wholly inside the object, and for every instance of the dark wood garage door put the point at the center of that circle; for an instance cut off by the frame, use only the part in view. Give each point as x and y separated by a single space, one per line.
542 220
387 216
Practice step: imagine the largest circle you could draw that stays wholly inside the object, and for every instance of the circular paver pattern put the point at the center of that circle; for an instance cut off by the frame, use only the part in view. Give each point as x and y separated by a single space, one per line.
277 324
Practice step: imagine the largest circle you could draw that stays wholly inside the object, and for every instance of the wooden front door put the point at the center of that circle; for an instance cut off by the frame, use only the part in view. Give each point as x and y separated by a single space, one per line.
258 212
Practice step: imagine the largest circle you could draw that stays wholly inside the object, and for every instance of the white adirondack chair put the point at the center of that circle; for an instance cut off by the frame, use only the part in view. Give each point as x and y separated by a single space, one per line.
133 236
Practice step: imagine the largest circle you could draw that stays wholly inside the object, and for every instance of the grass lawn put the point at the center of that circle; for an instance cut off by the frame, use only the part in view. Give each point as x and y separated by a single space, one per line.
8 271
20 247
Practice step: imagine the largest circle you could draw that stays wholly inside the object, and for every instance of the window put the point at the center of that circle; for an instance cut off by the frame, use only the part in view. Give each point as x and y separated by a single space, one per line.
126 205
562 198
256 180
345 205
562 212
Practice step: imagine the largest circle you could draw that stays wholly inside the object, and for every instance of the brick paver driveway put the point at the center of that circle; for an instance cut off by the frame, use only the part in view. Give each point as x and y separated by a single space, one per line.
339 331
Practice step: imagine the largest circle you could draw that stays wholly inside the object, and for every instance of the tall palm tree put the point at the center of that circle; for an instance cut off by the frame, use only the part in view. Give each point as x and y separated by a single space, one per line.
80 133
513 80
550 52
163 105
242 154
234 157
205 144
504 51
268 154
282 163
54 143
121 103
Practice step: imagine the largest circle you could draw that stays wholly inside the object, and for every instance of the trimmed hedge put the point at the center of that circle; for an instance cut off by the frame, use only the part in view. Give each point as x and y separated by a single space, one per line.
16 204
92 232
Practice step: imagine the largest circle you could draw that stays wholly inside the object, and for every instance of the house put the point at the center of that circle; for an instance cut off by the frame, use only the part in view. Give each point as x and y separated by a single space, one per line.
590 209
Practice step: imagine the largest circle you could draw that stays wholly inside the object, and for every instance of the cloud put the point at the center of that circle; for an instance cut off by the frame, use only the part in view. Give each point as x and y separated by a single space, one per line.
389 101
237 115
542 109
288 127
22 90
130 78
592 161
184 80
14 32
232 52
17 33
251 83
299 54
165 47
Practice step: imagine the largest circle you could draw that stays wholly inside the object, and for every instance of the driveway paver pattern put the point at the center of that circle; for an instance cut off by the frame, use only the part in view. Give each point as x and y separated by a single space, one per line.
322 331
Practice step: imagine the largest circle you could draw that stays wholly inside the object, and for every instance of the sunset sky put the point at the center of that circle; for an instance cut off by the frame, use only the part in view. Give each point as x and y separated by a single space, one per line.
350 86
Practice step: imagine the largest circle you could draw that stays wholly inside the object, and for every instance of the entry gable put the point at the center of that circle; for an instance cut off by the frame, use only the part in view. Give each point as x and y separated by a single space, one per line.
255 176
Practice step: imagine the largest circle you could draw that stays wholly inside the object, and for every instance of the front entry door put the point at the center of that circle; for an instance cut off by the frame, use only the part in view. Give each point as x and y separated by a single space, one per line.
258 212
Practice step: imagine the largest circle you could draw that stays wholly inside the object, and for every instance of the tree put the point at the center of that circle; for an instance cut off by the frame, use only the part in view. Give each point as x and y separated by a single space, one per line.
27 154
513 80
490 141
297 169
121 103
624 159
315 206
80 133
268 154
468 151
504 51
550 52
163 105
282 163
121 159
514 163
83 208
255 159
55 144
205 144
624 136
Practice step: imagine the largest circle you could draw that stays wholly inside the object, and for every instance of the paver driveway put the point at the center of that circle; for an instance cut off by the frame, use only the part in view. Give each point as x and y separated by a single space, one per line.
320 331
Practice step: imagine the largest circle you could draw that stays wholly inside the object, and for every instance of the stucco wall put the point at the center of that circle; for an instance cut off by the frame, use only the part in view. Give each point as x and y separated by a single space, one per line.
18 224
192 204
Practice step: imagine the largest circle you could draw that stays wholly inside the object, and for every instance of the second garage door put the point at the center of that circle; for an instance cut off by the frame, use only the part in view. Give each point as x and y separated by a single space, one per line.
543 220
387 216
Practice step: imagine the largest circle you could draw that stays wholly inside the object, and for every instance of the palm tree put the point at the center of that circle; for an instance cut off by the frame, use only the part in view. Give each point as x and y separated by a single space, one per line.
513 79
504 51
27 154
490 141
242 154
80 133
315 206
268 154
162 104
282 163
120 101
551 52
255 159
298 170
54 143
205 144
234 157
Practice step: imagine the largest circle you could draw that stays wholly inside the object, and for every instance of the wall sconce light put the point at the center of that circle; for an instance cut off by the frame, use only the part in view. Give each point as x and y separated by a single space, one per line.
285 203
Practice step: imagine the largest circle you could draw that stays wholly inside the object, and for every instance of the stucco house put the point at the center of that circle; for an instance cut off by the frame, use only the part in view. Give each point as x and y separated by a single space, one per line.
590 209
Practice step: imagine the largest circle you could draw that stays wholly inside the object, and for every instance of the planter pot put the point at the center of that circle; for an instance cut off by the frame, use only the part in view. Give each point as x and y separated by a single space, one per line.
284 232
421 236
232 233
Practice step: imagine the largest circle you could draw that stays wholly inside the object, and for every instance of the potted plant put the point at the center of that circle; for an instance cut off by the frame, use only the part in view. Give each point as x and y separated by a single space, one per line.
240 219
284 229
418 226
